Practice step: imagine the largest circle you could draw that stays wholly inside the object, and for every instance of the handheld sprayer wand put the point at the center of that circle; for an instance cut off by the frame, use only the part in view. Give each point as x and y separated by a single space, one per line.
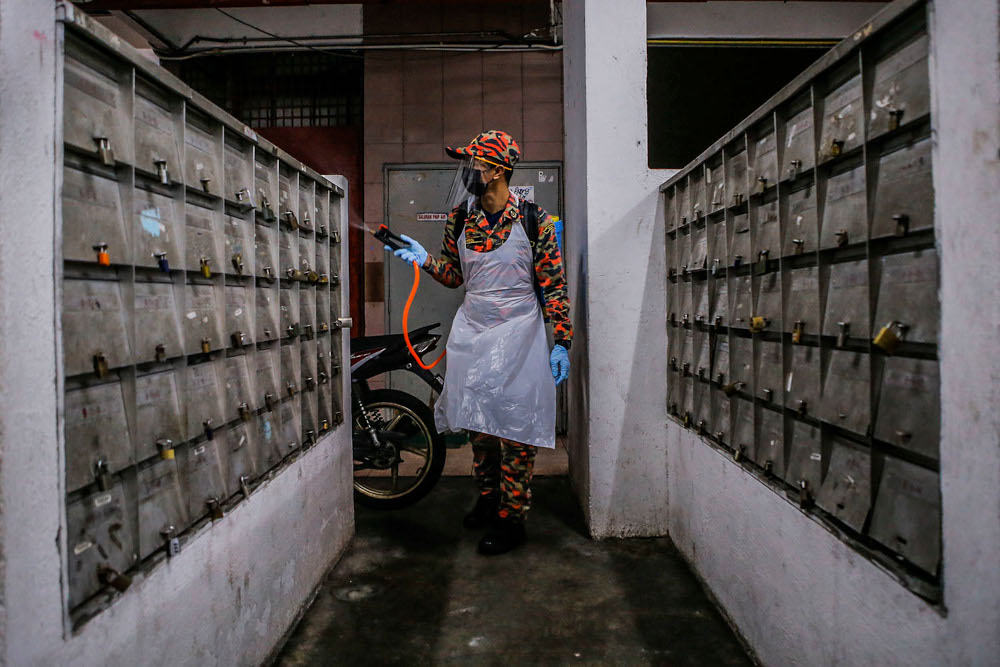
396 243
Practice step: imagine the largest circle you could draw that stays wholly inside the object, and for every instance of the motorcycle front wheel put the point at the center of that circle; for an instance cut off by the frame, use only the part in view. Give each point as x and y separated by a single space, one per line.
408 425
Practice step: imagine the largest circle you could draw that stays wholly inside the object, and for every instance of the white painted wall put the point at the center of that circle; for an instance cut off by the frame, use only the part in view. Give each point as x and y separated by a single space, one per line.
758 20
616 260
230 595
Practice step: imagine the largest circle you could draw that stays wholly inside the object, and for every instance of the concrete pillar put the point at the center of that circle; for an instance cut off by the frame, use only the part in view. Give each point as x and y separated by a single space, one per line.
616 266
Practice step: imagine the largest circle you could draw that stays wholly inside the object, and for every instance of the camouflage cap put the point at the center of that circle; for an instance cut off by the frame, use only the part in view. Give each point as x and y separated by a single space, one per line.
494 146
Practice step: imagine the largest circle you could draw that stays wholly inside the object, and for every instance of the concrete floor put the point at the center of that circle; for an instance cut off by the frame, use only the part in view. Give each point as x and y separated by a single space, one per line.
411 590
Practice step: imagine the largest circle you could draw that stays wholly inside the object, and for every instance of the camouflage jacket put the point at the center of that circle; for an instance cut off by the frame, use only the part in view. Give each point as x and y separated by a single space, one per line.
480 237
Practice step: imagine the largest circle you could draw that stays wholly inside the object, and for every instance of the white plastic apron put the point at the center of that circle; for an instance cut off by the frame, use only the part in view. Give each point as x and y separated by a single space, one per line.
498 379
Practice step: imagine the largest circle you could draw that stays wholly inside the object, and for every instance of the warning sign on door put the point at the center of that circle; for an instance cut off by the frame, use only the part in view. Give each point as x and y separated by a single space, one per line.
524 192
432 217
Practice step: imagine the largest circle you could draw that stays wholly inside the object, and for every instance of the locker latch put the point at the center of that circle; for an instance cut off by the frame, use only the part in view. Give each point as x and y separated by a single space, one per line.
769 395
104 148
244 411
890 336
844 329
793 169
100 365
161 171
239 339
310 383
214 508
238 263
206 267
306 221
895 117
307 331
103 258
204 183
335 280
758 324
291 388
173 545
334 237
112 577
321 232
102 473
165 446
269 401
209 429
162 262
902 224
805 495
161 353
800 246
269 275
841 237
245 485
797 330
739 452
762 183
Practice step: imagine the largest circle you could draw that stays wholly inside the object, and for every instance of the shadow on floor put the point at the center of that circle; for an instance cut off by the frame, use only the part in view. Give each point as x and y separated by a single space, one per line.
411 590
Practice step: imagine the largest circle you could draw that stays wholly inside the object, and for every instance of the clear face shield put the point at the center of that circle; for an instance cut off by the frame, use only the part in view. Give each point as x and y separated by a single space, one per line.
472 177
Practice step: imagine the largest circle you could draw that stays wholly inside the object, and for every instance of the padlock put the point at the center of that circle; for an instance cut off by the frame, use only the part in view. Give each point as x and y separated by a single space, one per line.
720 377
737 198
797 330
266 209
165 446
245 412
102 474
307 331
805 495
769 467
684 270
685 320
161 353
701 427
269 275
758 324
245 485
334 237
269 401
895 117
323 377
701 372
673 364
310 383
323 326
173 545
204 183
206 345
760 266
321 232
238 263
291 389
720 437
291 220
733 387
699 318
209 429
335 280
715 266
793 169
214 508
100 365
890 336
293 445
323 279
802 407
162 262
245 197
687 419
836 147
696 211
338 417
335 369
686 368
769 395
800 246
762 183
902 224
239 339
306 221
737 260
312 277
292 330
105 150
672 319
738 452
718 321
103 258
672 408
841 238
206 267
293 274
325 425
162 172
310 438
112 577
843 332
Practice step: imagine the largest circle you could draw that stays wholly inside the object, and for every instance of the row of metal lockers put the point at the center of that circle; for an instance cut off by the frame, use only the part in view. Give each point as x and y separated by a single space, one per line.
802 292
202 311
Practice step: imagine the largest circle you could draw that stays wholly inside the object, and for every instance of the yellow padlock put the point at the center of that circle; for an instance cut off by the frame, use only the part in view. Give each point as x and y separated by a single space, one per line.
887 339
206 267
797 330
758 324
166 448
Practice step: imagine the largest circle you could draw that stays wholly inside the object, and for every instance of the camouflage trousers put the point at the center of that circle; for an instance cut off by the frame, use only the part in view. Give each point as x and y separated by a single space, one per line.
505 467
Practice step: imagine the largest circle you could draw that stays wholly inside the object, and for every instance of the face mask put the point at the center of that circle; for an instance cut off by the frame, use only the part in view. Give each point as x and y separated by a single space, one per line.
472 181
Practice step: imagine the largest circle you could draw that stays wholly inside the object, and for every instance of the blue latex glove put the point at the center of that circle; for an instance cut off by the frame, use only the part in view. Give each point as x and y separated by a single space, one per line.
415 253
559 361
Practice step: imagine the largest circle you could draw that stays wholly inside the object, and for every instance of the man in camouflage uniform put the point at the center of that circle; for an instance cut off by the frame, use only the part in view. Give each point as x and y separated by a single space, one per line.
503 468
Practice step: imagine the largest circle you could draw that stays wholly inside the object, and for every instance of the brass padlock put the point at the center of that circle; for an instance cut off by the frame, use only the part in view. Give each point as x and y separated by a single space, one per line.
206 345
100 365
902 224
687 419
291 389
890 336
293 274
105 150
323 326
239 340
103 258
162 172
841 238
266 209
291 220
323 279
112 577
797 330
238 263
325 425
334 237
206 267
758 324
895 117
244 411
843 332
836 147
165 446
312 276
204 183
161 353
214 508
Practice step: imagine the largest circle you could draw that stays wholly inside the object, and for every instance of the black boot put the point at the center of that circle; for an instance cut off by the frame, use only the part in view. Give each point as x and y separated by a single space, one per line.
503 535
483 513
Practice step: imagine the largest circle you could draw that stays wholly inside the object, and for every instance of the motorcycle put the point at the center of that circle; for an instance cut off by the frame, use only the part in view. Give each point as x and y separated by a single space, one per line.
398 453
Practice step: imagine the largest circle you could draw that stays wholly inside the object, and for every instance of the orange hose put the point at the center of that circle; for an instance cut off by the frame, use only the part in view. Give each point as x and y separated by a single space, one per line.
406 316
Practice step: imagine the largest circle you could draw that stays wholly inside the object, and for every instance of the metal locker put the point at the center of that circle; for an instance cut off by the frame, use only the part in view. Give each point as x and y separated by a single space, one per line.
909 410
907 514
670 210
288 304
159 419
157 328
157 140
742 439
93 320
702 415
202 478
901 89
904 191
93 217
203 399
97 437
241 456
266 253
156 234
847 301
291 425
288 255
844 217
699 248
843 120
769 300
265 179
739 252
700 300
322 309
98 91
720 359
741 354
239 237
290 370
719 254
202 324
267 313
908 293
287 203
846 491
161 511
238 171
306 203
765 162
202 240
770 450
100 542
684 252
697 192
801 222
799 152
736 179
239 323
768 370
240 402
767 237
307 309
720 414
269 450
266 378
805 459
717 188
802 380
683 199
742 300
802 306
719 302
201 153
846 391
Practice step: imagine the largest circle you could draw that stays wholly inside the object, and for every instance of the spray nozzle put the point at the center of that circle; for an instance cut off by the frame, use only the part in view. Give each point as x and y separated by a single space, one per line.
388 238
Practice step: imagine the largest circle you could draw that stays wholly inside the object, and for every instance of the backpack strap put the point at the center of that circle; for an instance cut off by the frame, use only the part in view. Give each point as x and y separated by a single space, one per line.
529 218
